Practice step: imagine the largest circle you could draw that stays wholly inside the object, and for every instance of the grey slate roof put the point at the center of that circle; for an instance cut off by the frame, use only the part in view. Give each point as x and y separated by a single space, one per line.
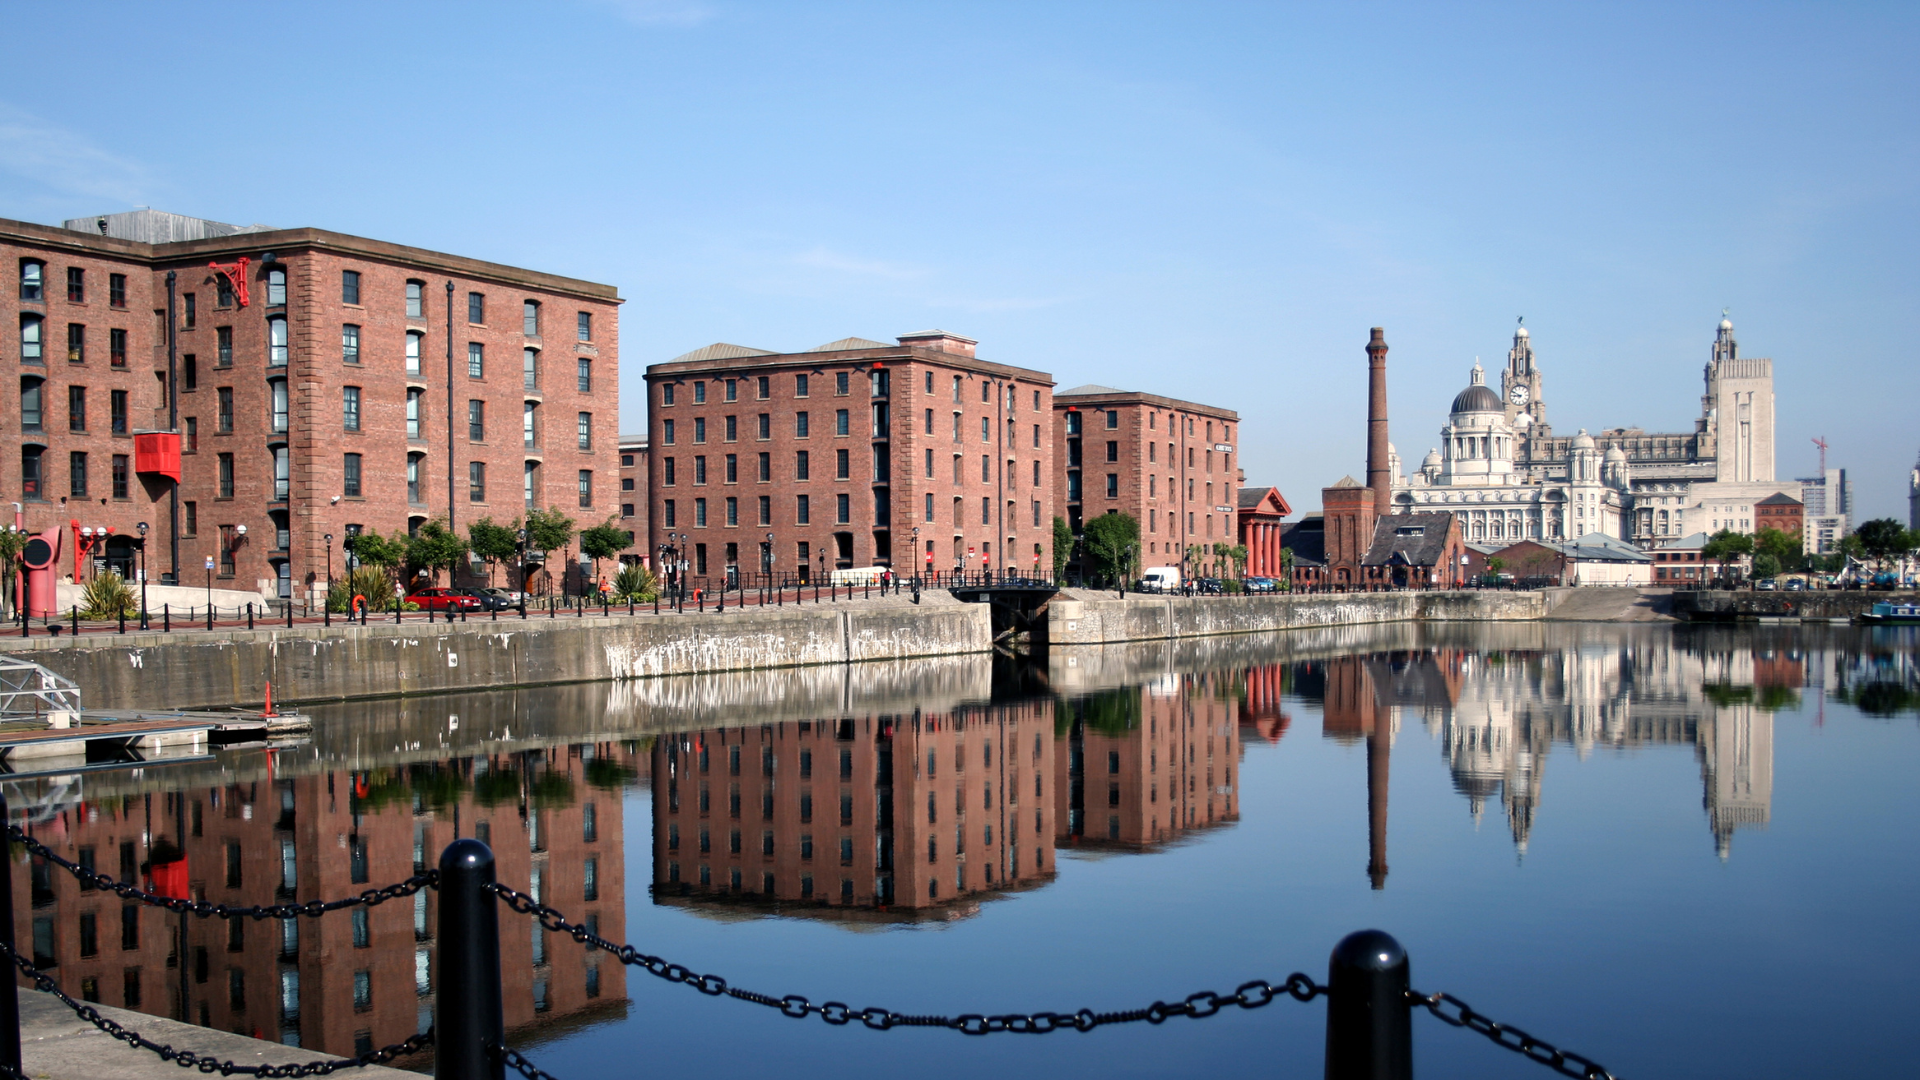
1089 390
719 350
1408 540
851 343
1599 547
1307 539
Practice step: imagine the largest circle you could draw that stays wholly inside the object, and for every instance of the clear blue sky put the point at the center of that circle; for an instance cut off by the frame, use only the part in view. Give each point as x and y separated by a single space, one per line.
1209 201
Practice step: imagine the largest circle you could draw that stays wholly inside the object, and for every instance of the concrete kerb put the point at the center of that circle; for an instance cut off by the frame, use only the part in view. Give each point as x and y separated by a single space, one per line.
55 1044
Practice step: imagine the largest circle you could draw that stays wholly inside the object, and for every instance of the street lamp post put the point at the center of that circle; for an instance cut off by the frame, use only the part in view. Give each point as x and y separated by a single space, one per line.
143 574
326 598
769 560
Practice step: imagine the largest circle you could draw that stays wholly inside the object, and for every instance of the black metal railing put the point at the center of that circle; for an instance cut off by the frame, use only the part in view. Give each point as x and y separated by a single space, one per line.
1369 1029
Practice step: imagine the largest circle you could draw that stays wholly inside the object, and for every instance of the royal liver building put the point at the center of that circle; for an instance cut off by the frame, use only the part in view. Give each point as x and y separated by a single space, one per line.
1501 469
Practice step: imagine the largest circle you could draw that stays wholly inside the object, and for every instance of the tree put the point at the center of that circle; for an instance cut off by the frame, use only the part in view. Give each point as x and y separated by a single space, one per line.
11 545
1726 546
1766 565
1238 554
603 541
1111 542
1496 564
1884 541
547 530
492 542
435 548
1782 546
1062 546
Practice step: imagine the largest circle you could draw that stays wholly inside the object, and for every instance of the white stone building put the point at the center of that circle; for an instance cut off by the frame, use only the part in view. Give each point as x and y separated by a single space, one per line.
1501 470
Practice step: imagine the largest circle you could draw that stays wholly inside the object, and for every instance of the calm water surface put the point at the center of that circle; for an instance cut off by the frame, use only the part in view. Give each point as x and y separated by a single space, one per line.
1684 852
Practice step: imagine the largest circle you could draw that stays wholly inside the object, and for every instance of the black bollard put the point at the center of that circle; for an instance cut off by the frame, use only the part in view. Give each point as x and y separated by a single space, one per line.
250 616
10 993
1369 1019
468 1026
289 613
123 620
209 616
76 620
166 618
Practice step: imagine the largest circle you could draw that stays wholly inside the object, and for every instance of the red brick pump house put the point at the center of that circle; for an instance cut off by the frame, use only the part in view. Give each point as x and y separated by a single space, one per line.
251 392
913 456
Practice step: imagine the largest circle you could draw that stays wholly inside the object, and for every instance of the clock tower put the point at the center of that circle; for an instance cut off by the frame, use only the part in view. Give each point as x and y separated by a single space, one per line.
1520 386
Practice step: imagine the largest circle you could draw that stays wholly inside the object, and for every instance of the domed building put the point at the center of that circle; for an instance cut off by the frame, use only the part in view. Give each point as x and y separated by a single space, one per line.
1501 470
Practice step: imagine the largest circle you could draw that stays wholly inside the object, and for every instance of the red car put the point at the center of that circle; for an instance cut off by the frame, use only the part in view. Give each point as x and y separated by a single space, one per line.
438 599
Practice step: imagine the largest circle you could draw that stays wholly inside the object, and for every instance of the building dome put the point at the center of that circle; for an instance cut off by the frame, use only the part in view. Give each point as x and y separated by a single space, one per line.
1614 454
1583 441
1726 324
1521 333
1432 460
1477 398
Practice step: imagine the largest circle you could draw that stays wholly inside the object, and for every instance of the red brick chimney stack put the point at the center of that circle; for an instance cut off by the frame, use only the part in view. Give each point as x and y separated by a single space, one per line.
1378 478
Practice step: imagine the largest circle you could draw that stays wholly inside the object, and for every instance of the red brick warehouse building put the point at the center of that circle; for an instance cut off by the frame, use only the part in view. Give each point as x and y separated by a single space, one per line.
853 454
1169 463
315 383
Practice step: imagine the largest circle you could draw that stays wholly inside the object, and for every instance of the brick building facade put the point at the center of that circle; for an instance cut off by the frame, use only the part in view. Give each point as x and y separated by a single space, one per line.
358 978
635 511
854 454
1169 463
311 394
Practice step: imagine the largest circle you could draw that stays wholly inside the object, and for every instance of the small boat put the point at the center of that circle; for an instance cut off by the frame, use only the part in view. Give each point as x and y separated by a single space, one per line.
1887 613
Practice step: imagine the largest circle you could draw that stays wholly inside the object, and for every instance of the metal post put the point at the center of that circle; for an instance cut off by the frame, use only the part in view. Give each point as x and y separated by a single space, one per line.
249 616
1369 1020
467 1019
76 620
166 618
289 613
10 992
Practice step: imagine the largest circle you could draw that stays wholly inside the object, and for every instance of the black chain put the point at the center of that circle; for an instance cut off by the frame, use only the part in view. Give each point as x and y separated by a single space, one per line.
522 1066
187 1059
1249 995
1564 1062
312 908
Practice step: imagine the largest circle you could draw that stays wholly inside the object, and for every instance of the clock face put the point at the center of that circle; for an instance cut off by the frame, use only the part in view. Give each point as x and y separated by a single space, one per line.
1518 394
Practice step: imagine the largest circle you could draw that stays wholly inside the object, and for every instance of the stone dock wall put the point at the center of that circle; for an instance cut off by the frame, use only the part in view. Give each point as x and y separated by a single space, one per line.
1149 618
312 664
1741 605
309 665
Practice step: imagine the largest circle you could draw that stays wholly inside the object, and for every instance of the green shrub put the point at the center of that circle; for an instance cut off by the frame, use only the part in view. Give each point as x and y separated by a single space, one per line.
371 582
108 597
636 582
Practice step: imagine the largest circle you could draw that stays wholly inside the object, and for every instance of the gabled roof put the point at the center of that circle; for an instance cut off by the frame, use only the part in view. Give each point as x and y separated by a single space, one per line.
1345 482
851 343
719 350
1265 498
1696 540
1599 547
1409 540
1779 498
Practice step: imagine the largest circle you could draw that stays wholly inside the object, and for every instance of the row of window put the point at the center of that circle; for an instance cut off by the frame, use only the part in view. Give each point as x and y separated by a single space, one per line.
879 385
352 480
1111 418
33 343
33 284
843 459
842 510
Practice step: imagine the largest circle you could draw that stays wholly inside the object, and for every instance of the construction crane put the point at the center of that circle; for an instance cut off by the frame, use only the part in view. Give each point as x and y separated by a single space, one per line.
1821 442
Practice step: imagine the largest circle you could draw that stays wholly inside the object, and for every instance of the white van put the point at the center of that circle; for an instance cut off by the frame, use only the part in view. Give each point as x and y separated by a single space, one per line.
1162 579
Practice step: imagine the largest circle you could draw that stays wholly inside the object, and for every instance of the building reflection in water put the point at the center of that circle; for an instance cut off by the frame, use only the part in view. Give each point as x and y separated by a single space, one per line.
354 979
875 817
1496 716
1144 765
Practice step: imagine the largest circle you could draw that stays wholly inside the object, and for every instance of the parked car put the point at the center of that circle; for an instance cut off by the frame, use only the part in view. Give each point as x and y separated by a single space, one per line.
488 598
1261 585
437 598
1160 579
1208 585
513 597
1767 585
1796 584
